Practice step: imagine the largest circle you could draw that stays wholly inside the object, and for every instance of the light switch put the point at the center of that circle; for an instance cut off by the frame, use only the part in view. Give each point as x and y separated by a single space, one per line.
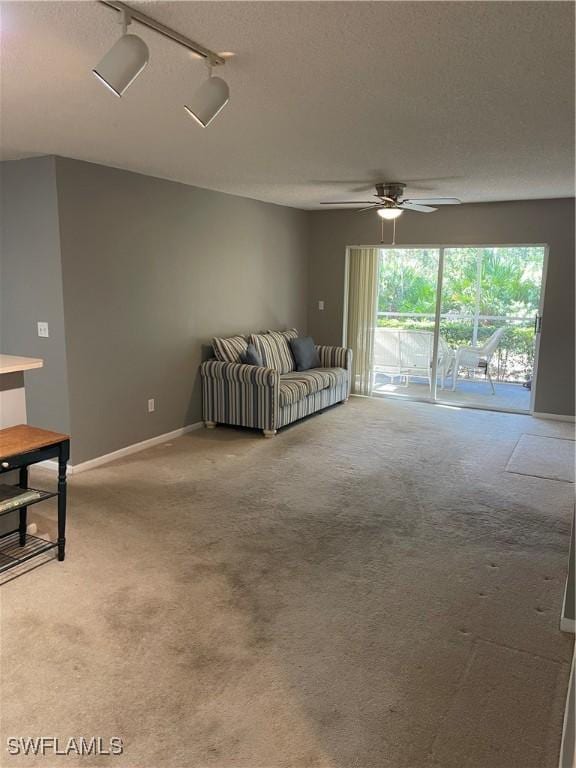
43 330
321 305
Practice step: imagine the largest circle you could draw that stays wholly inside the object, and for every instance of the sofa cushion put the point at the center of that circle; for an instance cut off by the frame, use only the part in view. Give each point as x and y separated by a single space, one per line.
229 350
274 350
297 385
305 353
292 390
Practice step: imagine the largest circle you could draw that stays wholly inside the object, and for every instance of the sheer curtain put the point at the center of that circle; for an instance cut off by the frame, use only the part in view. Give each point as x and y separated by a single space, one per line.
361 315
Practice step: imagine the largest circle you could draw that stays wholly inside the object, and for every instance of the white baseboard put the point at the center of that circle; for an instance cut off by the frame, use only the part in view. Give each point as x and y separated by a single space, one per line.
553 416
74 469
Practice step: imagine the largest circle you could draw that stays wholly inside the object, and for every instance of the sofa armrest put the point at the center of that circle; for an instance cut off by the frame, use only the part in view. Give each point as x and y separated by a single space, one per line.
245 395
335 357
238 372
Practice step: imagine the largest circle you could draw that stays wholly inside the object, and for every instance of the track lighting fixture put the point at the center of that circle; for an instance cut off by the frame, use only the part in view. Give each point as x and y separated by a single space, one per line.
124 61
389 213
209 99
129 55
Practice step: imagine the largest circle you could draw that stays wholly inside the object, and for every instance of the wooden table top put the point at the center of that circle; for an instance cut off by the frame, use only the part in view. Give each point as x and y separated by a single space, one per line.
13 363
23 439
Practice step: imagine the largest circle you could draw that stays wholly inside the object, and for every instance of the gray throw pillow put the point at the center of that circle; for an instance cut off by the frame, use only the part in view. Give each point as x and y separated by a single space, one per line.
251 356
305 353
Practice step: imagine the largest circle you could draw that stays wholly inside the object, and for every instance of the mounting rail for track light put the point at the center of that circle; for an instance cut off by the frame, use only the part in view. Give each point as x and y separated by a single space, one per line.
165 31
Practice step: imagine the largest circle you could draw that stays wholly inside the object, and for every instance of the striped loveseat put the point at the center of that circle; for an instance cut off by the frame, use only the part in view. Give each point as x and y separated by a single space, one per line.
270 396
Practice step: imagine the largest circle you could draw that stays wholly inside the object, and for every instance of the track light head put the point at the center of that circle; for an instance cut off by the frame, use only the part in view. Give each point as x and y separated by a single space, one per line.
129 55
122 64
208 101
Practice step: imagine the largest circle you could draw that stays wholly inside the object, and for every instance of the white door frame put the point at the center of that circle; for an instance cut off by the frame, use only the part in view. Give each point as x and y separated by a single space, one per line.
436 337
539 332
433 398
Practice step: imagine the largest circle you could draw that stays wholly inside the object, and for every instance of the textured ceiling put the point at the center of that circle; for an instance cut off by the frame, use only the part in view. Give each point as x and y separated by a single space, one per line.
475 98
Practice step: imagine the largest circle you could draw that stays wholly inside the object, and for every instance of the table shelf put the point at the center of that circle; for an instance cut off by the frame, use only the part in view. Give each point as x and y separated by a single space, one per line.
43 496
13 554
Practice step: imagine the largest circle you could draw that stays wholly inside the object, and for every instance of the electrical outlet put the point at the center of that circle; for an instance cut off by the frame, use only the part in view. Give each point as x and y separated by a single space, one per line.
320 305
151 405
43 330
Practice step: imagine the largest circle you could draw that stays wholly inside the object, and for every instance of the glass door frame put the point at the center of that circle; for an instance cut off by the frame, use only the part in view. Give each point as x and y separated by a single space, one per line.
433 397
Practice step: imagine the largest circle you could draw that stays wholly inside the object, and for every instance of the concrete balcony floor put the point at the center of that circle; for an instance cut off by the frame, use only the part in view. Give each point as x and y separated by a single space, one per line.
473 392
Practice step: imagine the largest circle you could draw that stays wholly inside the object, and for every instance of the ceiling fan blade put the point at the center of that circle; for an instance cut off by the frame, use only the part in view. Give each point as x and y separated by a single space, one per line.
348 202
433 200
408 205
371 208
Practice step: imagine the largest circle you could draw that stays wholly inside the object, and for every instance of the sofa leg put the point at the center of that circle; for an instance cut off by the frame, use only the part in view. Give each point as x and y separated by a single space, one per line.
210 424
269 432
345 400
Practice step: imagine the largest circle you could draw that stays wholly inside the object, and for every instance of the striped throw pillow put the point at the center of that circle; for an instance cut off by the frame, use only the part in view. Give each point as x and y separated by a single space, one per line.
274 350
291 333
229 350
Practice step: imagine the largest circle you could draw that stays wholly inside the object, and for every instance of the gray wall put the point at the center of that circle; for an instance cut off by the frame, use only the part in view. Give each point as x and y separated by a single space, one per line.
533 221
31 285
152 269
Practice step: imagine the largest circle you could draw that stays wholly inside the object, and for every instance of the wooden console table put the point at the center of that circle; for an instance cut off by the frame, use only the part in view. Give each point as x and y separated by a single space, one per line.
20 447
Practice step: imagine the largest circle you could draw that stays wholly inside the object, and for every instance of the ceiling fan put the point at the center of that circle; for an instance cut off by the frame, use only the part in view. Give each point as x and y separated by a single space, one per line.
391 203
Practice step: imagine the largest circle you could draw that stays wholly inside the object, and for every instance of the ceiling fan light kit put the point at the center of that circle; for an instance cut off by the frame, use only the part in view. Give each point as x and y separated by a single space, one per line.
389 213
129 55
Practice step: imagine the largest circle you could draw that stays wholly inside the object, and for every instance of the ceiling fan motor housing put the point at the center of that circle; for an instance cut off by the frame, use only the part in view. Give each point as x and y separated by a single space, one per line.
393 190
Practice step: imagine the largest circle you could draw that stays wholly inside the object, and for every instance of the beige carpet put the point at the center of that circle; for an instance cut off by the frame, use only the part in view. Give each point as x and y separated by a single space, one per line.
370 589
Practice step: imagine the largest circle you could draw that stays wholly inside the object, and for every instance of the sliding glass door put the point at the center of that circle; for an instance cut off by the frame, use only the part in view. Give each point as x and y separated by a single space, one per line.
489 317
458 325
404 334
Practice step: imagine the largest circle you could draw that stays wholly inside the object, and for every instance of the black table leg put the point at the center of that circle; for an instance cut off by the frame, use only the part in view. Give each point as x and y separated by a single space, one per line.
63 455
24 510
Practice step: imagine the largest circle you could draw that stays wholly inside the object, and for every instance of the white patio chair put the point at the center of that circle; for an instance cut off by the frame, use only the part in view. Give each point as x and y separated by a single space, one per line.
446 361
387 358
478 358
405 353
416 354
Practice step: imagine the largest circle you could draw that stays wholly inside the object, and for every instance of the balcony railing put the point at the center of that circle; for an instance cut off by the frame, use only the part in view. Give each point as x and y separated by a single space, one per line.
458 316
514 359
